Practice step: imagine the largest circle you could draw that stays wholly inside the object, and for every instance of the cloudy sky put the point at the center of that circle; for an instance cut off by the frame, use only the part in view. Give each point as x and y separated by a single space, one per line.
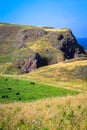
56 13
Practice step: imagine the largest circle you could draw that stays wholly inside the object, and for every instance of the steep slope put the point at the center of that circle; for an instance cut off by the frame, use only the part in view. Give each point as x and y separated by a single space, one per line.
19 46
72 74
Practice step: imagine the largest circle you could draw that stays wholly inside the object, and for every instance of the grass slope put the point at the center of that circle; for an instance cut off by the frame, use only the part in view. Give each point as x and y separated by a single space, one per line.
60 113
71 74
53 110
10 46
12 90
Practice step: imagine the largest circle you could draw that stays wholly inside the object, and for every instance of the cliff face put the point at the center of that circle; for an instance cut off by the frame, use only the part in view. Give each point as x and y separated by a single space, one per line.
67 44
31 47
31 63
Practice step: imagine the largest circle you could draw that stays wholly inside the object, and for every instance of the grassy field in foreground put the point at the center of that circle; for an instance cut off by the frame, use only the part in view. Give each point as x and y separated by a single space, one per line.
51 109
59 113
20 90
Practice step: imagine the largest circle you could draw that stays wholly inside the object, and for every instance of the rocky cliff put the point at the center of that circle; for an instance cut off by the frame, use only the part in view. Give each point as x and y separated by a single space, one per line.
30 47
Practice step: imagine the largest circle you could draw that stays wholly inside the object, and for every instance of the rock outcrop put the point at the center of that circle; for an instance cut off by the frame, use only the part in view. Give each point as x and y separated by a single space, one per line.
19 45
71 48
31 63
30 35
68 45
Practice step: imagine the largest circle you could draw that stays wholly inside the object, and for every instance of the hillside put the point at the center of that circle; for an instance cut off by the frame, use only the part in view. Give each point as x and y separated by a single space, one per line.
70 74
60 113
43 79
25 48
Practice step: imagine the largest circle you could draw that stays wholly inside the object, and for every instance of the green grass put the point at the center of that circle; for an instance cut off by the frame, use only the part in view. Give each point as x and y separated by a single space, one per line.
9 69
19 90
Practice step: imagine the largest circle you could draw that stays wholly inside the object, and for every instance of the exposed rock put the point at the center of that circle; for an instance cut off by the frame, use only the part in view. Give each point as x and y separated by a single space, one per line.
30 64
30 35
21 43
60 37
25 38
66 44
71 48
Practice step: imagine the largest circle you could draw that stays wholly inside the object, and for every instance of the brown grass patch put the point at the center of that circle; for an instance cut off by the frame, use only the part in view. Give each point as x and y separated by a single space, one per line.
62 113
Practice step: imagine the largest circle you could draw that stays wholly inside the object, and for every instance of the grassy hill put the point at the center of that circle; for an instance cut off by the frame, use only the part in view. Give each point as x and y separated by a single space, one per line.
51 97
72 74
19 44
12 90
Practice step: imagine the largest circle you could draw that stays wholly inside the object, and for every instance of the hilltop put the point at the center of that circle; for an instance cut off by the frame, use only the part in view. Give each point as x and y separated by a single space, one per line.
25 48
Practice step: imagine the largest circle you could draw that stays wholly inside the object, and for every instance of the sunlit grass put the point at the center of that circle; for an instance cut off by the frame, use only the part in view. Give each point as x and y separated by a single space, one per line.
60 113
19 90
41 100
61 74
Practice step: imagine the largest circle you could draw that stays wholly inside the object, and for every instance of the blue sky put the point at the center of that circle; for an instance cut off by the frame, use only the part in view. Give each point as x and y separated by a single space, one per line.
56 13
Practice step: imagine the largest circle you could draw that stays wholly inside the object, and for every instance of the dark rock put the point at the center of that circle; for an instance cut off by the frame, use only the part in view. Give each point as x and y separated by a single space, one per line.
60 37
25 37
71 48
39 60
30 64
67 44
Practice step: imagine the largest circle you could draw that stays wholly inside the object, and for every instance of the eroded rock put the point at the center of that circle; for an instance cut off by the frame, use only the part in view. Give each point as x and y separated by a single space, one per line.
30 64
60 37
71 48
